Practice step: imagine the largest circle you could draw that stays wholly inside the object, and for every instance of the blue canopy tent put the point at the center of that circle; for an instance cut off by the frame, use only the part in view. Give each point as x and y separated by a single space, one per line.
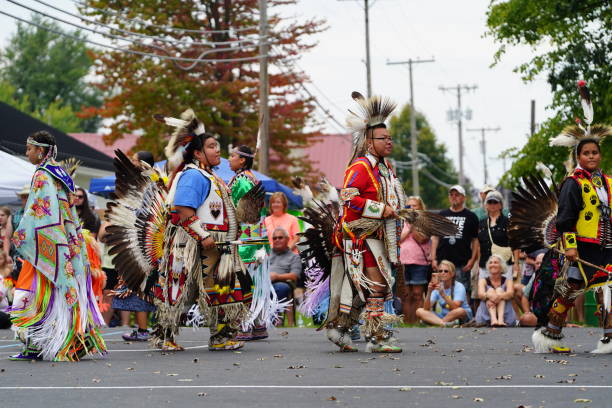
106 185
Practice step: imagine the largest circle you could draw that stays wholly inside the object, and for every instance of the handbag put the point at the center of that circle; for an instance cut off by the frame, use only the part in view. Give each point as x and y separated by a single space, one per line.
504 252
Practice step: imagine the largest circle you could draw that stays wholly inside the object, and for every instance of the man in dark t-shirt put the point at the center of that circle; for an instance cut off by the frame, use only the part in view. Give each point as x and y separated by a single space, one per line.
462 248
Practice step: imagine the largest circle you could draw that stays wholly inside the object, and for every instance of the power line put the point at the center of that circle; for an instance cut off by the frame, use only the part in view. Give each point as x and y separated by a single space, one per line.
150 37
167 28
141 53
483 147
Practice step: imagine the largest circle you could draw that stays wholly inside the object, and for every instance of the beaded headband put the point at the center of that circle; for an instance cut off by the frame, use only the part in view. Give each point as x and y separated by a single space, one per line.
35 143
241 153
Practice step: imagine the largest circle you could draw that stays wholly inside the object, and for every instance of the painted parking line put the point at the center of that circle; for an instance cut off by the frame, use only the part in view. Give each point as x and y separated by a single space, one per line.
21 344
307 387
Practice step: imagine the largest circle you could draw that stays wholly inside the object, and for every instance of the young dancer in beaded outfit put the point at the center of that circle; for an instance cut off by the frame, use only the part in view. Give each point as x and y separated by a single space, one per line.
54 309
584 222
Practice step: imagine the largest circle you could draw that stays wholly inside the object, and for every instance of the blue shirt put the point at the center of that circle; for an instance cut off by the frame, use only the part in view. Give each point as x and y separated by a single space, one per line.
458 295
192 189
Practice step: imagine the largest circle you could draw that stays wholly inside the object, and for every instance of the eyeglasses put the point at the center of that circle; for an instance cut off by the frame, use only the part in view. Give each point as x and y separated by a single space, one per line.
443 271
277 238
386 139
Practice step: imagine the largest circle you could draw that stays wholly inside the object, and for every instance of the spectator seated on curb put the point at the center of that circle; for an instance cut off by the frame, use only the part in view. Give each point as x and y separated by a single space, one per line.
449 295
495 293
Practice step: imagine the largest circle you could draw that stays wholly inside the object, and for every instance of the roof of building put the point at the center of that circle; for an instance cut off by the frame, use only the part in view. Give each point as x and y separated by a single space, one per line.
17 126
330 155
95 140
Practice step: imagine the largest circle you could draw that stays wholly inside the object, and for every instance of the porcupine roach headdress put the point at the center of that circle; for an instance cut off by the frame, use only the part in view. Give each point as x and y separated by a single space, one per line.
373 114
186 128
571 136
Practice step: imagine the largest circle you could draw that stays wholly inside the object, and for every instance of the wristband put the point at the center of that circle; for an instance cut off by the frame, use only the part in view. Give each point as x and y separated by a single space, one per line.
373 209
195 228
569 240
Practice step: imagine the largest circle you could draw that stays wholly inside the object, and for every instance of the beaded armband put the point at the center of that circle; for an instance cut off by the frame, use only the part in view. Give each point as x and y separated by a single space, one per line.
194 228
569 240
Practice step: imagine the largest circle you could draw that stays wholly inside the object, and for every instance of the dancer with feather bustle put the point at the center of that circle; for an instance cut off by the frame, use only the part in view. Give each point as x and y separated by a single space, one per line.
577 224
358 270
199 263
584 222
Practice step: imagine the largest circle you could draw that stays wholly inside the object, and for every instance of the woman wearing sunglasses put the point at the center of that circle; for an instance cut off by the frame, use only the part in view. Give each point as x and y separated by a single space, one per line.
449 295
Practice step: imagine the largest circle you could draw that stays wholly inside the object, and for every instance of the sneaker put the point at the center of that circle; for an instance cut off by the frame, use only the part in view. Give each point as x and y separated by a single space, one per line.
382 347
27 355
226 346
136 335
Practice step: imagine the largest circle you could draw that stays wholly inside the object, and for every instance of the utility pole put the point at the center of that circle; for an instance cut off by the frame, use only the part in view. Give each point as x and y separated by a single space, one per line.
458 116
416 188
483 147
532 128
264 89
367 4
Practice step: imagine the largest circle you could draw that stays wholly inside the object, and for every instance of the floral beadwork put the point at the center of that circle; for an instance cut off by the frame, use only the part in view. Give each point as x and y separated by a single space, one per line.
18 238
41 207
40 180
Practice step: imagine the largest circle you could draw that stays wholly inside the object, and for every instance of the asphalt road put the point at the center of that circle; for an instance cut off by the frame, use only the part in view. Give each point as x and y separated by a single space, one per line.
299 368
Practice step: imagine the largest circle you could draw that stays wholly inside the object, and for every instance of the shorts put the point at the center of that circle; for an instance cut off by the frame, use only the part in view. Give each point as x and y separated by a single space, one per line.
415 274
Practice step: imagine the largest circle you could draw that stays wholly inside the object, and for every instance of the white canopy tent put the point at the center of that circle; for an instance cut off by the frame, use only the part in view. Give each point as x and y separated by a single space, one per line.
16 173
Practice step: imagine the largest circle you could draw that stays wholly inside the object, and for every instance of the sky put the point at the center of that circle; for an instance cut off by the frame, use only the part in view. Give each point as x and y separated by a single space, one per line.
449 31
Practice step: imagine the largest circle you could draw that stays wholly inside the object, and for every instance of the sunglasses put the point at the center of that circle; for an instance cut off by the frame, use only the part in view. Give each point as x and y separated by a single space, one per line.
443 271
277 238
79 196
492 202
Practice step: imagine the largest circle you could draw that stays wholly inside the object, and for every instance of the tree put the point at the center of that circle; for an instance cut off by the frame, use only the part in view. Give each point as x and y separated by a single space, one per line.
48 70
571 40
437 167
59 116
224 95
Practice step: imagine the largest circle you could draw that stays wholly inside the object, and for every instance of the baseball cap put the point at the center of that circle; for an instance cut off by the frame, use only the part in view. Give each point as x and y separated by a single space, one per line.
494 196
486 189
458 189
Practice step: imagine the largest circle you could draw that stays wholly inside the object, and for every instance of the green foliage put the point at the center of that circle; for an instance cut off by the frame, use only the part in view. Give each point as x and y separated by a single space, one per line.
570 40
48 73
434 195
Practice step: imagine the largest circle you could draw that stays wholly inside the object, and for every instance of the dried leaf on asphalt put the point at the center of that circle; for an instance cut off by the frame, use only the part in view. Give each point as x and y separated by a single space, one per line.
261 359
456 396
567 381
195 360
578 400
572 375
538 376
172 374
130 368
184 380
278 356
95 380
443 383
296 367
332 398
156 372
237 364
504 377
478 399
108 364
285 333
405 389
459 350
202 394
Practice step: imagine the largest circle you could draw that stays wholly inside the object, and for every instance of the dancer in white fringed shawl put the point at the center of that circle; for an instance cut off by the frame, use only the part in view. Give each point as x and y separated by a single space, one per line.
54 312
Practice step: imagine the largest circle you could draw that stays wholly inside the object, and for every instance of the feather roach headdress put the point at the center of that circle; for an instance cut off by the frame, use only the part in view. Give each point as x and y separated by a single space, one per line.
373 113
573 135
186 128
